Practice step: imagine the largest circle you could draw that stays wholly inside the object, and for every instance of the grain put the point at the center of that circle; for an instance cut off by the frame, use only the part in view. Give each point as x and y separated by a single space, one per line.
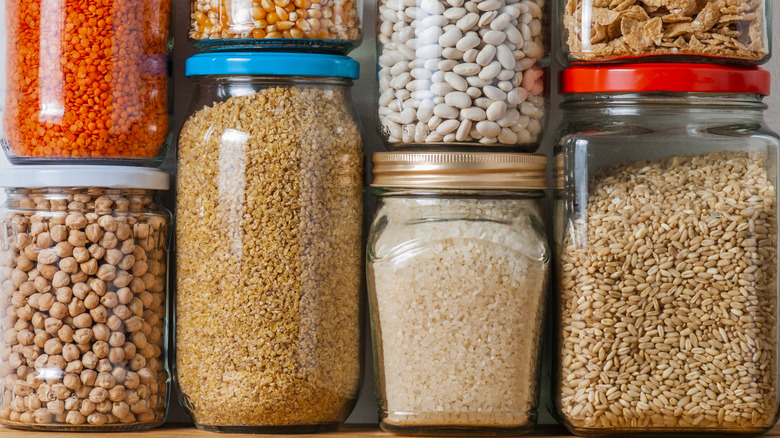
269 259
86 79
57 353
669 297
458 309
264 21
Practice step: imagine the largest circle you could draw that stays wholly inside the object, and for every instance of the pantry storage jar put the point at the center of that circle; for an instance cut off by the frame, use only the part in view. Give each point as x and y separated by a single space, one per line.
268 243
462 75
86 81
457 273
666 245
714 31
327 26
83 254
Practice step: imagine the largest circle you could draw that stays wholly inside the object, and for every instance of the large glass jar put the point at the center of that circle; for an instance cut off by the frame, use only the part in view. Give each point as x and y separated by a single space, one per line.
715 31
457 273
83 266
86 80
455 75
666 246
268 244
303 25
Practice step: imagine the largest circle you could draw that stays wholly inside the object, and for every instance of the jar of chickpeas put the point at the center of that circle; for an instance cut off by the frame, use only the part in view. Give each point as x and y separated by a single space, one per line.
83 266
326 26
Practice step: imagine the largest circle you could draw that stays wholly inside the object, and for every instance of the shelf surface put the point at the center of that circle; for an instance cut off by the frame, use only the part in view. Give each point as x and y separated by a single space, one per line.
347 431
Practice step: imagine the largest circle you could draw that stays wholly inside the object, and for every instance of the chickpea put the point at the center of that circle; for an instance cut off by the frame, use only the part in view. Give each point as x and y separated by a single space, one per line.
75 367
77 238
108 223
65 333
100 348
87 407
70 352
94 232
110 300
90 267
53 346
109 240
98 395
75 418
104 407
61 279
82 320
114 322
90 360
88 377
81 254
64 294
71 381
99 286
63 250
116 355
83 335
76 221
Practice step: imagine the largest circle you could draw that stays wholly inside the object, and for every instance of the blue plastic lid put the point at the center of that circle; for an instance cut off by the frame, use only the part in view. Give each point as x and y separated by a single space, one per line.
273 64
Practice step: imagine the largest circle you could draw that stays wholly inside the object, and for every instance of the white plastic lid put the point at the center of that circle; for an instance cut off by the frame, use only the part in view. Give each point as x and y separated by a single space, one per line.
115 177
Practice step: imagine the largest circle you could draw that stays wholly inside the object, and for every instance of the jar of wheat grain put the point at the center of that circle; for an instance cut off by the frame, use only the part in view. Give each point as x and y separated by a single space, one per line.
666 245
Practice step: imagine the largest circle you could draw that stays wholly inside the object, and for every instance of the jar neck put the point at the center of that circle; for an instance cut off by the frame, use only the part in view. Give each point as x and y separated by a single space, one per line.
679 107
382 192
266 81
82 199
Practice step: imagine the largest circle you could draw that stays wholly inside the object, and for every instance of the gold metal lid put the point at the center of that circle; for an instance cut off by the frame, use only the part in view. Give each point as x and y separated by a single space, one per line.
459 170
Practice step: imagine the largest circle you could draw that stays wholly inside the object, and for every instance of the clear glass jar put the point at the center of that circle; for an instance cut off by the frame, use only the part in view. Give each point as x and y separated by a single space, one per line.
715 31
327 26
455 75
457 274
666 247
84 274
268 244
86 81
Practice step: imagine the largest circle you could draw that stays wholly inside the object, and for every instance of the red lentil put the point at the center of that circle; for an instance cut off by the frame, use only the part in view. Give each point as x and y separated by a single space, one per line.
86 78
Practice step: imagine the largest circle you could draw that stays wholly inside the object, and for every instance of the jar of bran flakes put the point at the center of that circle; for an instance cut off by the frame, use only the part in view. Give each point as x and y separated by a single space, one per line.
709 31
666 248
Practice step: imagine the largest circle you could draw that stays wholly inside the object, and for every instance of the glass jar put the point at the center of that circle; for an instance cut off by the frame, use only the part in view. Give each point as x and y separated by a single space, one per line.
715 31
328 26
83 268
666 246
268 244
86 81
455 75
457 274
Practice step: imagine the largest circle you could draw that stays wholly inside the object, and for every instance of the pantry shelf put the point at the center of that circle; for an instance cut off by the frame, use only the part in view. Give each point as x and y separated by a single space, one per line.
347 431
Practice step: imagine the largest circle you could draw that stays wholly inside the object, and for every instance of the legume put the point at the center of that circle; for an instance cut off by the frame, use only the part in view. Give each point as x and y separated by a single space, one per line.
87 79
83 284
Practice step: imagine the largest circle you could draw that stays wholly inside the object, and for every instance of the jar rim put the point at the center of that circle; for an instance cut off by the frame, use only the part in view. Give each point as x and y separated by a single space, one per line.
125 177
669 77
459 170
272 64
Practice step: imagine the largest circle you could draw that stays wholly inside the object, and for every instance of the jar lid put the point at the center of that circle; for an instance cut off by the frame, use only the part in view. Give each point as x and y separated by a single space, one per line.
273 64
671 77
114 177
459 170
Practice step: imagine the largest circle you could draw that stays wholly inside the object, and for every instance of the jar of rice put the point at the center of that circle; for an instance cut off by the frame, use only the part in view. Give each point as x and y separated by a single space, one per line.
457 272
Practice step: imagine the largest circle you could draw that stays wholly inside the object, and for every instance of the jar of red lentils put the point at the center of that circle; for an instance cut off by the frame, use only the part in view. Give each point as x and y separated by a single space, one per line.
86 81
326 26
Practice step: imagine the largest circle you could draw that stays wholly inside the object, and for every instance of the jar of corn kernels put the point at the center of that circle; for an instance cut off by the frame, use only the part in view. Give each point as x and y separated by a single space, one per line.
83 268
86 81
326 26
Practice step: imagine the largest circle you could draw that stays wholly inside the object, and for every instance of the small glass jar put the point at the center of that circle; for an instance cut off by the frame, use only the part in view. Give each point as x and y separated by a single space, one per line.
84 271
86 81
327 26
457 273
666 247
461 76
268 244
709 31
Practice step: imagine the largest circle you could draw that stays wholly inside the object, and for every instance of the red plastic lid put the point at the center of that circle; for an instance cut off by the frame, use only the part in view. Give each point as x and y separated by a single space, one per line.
682 78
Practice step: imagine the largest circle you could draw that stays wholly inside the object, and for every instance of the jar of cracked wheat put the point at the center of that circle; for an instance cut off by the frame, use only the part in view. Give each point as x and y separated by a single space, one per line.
457 272
666 245
83 267
268 243
709 31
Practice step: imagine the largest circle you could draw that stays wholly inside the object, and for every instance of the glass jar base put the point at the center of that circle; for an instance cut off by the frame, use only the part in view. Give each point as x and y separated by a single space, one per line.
669 433
286 430
81 428
449 430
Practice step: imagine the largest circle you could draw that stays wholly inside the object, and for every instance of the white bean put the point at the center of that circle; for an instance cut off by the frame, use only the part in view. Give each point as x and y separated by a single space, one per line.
445 111
458 99
456 81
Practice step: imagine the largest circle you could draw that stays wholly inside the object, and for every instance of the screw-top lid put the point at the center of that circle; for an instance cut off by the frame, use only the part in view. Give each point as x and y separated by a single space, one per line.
459 170
272 64
671 77
114 177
